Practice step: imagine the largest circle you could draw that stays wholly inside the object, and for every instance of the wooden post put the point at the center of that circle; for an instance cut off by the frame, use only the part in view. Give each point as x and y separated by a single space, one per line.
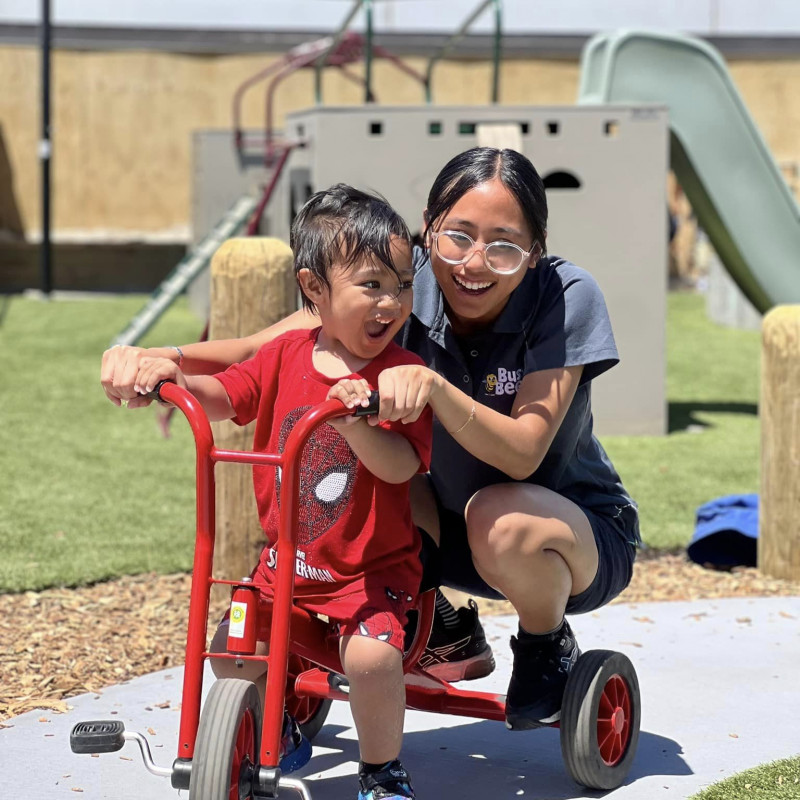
779 503
252 287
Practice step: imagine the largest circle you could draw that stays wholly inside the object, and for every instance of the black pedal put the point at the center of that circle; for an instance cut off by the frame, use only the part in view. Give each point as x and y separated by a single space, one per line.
102 736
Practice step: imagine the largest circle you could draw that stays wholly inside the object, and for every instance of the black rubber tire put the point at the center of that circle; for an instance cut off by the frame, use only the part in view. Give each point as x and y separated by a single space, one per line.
314 724
608 677
310 712
222 758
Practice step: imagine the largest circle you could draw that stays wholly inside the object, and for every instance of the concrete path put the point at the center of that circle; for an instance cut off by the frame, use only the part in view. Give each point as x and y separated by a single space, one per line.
720 684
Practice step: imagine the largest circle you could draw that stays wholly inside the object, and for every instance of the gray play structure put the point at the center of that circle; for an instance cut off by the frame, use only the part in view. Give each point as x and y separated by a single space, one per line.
604 168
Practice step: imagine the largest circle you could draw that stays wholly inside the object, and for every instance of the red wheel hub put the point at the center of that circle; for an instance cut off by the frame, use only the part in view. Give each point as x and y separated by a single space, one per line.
614 720
243 752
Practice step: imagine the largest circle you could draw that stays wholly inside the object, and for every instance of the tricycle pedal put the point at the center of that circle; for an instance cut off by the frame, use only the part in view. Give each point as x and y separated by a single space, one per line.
98 736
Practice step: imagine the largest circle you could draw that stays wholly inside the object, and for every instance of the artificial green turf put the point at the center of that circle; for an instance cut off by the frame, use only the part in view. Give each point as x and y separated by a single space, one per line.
90 491
779 780
713 445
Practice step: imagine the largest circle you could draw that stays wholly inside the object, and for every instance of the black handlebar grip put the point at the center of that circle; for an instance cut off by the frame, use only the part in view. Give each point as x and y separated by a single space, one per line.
371 409
156 393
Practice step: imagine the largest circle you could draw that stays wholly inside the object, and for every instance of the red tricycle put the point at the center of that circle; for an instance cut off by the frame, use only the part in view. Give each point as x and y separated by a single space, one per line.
232 750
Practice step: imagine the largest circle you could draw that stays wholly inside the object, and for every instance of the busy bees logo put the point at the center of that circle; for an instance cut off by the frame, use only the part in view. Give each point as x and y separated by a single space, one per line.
504 381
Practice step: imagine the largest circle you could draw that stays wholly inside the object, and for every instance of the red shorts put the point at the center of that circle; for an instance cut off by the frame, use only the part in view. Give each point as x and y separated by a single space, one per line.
378 610
382 624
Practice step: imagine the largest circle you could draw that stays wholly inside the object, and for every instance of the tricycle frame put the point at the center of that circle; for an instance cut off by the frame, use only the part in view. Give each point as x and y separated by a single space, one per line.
423 691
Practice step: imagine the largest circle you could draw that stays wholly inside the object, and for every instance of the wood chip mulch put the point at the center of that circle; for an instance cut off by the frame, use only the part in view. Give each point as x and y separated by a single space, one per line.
59 643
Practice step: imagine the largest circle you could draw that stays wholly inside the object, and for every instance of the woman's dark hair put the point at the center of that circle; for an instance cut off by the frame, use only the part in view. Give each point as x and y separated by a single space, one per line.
343 225
479 165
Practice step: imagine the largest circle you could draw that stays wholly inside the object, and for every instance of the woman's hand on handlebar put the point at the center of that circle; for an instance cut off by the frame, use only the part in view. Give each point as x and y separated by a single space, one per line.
119 370
118 374
405 391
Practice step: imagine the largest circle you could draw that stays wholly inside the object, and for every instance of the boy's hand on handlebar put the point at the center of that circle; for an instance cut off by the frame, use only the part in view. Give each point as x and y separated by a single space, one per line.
353 393
154 370
405 391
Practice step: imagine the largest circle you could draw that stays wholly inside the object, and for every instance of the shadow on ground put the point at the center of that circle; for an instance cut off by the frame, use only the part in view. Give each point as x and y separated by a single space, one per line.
682 415
492 762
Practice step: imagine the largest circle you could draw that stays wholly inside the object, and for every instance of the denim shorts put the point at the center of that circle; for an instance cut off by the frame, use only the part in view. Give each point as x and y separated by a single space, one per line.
451 565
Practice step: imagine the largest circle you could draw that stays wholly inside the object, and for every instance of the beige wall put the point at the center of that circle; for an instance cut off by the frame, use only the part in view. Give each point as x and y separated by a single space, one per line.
771 91
122 123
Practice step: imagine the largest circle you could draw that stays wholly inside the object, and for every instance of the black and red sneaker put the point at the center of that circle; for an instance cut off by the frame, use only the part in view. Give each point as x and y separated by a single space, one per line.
460 652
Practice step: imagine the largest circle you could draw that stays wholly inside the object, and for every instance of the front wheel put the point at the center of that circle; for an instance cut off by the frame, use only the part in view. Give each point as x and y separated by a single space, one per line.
600 719
227 744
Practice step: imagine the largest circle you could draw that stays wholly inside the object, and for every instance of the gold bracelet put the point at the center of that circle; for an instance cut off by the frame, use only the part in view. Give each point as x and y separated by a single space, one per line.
469 419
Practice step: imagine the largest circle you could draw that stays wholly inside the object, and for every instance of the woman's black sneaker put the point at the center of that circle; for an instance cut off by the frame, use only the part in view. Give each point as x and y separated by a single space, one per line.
541 667
460 652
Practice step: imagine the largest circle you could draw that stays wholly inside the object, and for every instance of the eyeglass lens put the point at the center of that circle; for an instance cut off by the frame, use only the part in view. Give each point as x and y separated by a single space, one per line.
457 247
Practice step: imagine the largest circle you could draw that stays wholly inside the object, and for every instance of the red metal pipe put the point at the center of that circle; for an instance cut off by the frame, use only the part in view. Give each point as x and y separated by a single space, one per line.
201 570
252 226
237 102
246 457
304 51
284 578
403 67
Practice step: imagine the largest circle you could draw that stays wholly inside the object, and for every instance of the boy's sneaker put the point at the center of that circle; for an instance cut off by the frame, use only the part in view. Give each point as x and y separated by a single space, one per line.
295 748
459 653
391 783
541 667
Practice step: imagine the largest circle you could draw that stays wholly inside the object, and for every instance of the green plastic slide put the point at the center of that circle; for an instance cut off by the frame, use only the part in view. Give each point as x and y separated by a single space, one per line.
718 155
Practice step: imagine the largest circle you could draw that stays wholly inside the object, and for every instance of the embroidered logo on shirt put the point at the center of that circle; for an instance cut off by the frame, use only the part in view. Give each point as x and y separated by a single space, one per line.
504 381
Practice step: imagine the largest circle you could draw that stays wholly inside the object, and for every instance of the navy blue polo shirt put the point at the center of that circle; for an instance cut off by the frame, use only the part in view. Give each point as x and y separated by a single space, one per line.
556 317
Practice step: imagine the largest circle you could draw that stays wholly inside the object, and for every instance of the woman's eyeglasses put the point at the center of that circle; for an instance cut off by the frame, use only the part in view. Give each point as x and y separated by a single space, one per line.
455 247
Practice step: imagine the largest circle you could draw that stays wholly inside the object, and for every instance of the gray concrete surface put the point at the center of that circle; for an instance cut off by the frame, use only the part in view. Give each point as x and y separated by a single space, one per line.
719 682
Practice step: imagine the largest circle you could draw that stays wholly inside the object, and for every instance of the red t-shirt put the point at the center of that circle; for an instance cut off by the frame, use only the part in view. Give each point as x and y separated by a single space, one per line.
356 536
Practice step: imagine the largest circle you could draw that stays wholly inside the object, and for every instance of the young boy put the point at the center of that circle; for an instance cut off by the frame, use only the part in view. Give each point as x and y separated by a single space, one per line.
358 551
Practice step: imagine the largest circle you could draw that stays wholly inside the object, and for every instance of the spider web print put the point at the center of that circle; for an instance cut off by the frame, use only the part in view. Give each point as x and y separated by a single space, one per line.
327 476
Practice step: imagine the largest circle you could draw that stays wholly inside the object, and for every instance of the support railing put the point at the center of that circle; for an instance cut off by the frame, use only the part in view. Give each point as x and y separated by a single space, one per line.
459 34
337 38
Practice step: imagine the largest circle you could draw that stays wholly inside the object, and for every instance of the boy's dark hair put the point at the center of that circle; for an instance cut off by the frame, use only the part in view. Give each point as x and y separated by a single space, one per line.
342 225
474 167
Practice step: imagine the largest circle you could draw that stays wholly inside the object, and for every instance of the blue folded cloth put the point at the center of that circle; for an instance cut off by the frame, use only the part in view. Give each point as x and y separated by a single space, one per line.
726 532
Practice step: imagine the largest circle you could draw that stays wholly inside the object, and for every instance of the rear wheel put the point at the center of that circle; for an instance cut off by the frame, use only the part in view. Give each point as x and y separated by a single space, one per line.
600 719
227 745
310 712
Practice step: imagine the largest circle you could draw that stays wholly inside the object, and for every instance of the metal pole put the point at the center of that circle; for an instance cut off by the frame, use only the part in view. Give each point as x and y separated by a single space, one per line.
368 96
452 40
498 45
45 151
337 37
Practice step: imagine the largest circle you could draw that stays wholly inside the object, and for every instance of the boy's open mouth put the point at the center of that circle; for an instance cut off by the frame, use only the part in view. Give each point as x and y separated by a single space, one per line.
376 328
